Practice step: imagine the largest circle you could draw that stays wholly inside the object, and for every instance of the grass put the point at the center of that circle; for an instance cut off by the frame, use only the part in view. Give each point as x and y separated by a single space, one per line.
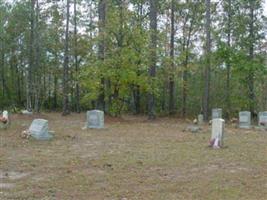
131 158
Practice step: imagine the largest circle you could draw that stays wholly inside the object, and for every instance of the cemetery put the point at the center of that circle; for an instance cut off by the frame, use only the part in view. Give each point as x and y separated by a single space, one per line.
131 158
133 100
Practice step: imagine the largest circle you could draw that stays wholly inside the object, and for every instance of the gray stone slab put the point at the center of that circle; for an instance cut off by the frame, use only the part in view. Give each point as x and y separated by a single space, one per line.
95 119
39 129
200 119
262 119
216 113
245 119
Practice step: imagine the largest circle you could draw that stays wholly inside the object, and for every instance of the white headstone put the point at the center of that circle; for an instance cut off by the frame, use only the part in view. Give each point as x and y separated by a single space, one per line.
95 119
39 129
217 132
200 119
244 119
216 113
263 118
5 115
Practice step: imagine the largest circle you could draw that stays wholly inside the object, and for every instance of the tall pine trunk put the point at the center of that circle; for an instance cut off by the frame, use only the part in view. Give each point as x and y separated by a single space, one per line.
153 56
77 86
101 48
171 79
66 109
228 64
251 58
206 97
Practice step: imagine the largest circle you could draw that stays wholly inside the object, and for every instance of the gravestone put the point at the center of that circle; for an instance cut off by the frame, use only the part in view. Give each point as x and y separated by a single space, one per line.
39 129
217 133
216 113
263 118
245 119
200 119
95 119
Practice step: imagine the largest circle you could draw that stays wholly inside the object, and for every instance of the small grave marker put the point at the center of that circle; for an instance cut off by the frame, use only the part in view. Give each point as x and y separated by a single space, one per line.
263 118
200 119
95 119
245 119
39 129
217 133
216 113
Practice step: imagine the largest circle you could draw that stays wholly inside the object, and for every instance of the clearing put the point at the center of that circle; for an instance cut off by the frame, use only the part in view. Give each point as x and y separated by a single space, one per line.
131 158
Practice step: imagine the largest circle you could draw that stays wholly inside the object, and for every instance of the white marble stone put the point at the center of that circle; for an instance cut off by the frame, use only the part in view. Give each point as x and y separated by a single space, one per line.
217 132
245 119
216 113
95 119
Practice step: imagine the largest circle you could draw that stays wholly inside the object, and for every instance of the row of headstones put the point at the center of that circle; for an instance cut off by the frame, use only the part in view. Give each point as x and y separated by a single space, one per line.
218 124
40 131
244 118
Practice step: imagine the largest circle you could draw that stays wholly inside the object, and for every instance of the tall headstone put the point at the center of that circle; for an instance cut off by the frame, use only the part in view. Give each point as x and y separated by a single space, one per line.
200 119
216 113
245 119
95 119
217 133
263 118
39 129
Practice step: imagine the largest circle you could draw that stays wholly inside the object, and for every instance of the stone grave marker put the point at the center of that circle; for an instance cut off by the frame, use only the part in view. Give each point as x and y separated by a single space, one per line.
263 118
217 133
216 113
39 129
95 119
245 119
200 119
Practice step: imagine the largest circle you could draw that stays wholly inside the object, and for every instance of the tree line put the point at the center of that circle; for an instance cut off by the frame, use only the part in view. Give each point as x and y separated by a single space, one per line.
149 57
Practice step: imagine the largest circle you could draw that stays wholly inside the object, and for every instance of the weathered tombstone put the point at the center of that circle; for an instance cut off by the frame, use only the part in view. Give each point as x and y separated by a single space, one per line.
244 119
263 118
39 129
217 133
200 119
95 119
216 113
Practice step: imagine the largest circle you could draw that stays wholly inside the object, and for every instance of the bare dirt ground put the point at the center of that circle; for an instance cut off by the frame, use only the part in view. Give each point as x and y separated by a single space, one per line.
131 158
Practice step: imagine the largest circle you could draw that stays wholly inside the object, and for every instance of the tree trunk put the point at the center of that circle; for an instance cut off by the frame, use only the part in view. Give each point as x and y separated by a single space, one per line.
66 109
31 60
101 48
153 56
228 64
171 79
251 58
77 88
207 67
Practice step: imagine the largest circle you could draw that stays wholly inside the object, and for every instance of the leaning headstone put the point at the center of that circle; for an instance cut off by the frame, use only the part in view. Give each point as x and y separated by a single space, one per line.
216 113
95 119
39 129
263 118
200 119
245 119
217 133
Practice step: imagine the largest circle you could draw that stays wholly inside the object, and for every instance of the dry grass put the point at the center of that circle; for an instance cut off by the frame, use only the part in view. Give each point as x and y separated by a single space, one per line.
131 158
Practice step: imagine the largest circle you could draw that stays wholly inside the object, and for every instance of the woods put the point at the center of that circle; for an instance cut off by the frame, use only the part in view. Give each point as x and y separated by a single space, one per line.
138 56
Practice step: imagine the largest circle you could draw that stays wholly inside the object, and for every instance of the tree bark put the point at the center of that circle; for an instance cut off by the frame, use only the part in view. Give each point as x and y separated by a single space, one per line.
153 56
207 67
171 79
228 64
77 88
66 109
251 58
